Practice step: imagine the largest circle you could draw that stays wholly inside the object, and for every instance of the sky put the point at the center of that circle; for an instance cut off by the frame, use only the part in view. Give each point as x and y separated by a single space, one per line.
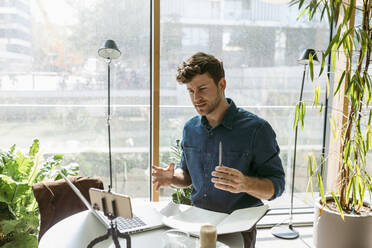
58 12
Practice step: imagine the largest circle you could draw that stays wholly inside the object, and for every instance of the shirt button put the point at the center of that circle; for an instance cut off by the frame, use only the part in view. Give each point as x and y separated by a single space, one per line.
209 154
206 175
210 134
205 195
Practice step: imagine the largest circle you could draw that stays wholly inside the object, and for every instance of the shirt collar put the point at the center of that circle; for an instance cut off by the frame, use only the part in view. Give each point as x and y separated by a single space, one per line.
228 118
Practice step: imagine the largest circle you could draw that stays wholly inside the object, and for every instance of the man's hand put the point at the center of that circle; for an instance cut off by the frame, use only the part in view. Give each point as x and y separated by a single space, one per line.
229 179
162 177
234 181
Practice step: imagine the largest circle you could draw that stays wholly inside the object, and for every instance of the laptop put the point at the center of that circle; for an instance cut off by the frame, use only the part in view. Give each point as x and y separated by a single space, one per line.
144 217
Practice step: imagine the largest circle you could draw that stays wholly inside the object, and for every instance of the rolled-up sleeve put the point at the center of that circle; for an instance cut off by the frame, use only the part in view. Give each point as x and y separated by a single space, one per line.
183 164
266 160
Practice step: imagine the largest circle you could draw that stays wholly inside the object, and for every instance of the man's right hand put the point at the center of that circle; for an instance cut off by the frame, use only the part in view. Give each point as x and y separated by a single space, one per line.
162 177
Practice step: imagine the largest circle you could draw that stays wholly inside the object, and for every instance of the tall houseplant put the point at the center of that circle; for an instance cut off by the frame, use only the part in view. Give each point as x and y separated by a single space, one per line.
352 42
19 215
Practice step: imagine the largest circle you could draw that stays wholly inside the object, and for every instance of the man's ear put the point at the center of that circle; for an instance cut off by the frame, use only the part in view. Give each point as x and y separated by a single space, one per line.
222 84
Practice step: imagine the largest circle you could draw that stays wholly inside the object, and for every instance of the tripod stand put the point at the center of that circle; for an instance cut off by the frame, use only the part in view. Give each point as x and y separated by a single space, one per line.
112 231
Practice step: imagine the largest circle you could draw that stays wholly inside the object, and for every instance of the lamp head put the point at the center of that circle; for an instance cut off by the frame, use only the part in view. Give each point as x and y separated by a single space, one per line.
109 50
304 59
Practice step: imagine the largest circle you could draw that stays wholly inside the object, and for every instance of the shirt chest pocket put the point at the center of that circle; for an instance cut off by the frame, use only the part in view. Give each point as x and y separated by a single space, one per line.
193 157
237 160
194 165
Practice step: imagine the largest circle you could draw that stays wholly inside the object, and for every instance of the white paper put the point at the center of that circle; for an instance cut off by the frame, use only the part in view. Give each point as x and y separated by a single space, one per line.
193 218
242 219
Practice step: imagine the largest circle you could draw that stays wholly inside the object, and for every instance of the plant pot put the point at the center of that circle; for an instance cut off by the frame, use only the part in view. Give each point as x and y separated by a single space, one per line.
330 231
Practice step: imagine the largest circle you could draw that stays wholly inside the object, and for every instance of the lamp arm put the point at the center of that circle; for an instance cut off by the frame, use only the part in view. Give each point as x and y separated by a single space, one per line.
294 155
109 119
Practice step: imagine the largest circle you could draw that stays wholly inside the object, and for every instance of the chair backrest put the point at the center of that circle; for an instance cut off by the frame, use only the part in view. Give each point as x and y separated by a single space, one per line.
57 201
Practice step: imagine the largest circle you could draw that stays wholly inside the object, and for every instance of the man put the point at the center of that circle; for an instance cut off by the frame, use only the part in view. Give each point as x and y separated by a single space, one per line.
251 169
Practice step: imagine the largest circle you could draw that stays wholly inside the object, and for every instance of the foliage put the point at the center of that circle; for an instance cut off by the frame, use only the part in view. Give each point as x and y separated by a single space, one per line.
19 215
181 196
354 85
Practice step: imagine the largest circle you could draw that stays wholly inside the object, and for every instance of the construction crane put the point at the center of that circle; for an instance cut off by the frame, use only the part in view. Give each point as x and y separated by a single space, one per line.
57 55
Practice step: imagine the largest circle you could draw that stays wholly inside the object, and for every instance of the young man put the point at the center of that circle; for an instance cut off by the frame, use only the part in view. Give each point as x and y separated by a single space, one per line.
251 169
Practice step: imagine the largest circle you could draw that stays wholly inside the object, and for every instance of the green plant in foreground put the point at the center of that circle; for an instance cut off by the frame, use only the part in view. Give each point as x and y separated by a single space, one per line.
354 86
181 196
19 214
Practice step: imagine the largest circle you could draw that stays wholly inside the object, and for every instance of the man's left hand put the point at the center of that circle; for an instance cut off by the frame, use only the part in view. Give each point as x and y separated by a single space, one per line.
229 179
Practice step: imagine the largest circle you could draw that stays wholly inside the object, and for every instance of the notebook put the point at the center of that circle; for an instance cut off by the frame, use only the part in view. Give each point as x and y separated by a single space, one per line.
144 217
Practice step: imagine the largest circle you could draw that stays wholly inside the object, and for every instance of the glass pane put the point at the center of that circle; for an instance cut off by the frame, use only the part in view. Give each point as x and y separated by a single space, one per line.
259 43
53 85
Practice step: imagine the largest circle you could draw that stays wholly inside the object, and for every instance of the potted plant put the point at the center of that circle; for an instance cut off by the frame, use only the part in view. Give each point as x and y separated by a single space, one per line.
182 195
343 218
19 215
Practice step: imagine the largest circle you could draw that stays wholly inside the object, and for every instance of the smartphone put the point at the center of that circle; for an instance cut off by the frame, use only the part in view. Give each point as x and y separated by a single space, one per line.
98 197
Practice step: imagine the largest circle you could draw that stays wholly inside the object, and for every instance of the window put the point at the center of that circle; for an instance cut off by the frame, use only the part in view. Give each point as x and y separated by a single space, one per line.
53 85
260 52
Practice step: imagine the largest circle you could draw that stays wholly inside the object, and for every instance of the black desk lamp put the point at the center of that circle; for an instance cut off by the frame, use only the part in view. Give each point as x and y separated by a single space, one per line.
109 52
287 231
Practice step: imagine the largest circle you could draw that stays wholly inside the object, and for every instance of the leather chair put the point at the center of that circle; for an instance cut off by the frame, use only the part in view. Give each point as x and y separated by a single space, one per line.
57 200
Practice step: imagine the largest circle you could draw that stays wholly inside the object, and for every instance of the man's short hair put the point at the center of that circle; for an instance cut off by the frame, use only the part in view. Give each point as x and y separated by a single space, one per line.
200 63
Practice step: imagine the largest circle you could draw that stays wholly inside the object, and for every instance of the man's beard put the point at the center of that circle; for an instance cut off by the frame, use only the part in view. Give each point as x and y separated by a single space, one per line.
212 106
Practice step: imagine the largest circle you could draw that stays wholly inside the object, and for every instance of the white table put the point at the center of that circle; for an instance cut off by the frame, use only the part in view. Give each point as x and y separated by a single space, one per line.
78 230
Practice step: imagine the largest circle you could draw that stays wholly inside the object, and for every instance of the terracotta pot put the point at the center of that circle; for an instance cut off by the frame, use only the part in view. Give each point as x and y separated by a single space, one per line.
330 231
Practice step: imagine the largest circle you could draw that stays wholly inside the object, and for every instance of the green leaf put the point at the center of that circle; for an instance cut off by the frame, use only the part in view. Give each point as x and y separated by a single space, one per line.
333 57
309 166
321 108
302 116
346 34
322 65
321 189
23 240
316 95
347 151
58 157
323 10
23 166
333 41
347 194
337 13
354 192
301 14
8 226
349 11
361 190
11 190
34 148
340 82
12 149
368 83
333 127
368 138
297 113
338 205
311 65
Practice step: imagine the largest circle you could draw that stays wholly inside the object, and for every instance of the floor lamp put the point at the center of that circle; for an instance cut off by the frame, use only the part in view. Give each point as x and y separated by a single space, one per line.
109 52
286 231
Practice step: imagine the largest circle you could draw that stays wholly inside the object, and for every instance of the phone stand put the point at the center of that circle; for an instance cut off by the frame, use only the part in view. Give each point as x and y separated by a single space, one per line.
112 231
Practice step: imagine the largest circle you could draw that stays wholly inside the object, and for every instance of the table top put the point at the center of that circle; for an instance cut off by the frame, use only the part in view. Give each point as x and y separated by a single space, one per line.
80 229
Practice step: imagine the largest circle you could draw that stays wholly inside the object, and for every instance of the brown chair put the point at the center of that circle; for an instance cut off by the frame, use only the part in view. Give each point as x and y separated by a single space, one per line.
57 201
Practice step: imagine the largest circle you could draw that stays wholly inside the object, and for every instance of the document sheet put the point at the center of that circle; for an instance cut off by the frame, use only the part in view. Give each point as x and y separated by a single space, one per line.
191 218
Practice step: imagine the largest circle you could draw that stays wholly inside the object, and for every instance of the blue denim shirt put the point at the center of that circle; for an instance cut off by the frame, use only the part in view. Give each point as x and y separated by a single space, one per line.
249 145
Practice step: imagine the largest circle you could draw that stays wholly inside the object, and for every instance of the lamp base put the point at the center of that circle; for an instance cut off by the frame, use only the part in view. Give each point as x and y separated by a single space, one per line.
284 231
